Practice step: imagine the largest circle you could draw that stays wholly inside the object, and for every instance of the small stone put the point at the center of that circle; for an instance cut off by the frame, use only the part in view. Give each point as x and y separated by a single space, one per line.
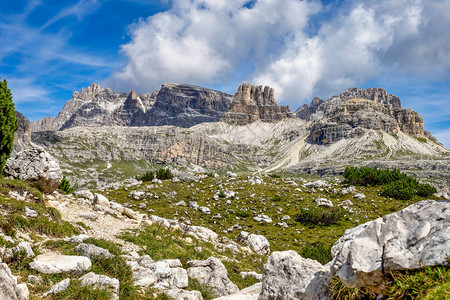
30 213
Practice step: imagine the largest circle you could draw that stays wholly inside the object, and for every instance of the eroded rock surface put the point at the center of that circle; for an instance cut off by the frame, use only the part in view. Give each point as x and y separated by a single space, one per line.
287 275
35 166
416 236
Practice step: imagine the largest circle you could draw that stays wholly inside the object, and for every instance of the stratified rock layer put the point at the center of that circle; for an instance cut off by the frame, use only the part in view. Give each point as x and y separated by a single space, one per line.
252 103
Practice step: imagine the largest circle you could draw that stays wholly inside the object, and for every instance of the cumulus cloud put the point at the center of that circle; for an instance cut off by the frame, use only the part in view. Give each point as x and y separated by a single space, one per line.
206 41
202 41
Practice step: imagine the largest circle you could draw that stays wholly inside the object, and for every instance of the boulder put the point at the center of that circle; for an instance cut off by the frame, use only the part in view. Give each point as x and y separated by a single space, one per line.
35 166
258 243
84 193
249 293
101 200
178 294
92 251
55 264
58 288
101 282
213 274
418 235
287 275
9 289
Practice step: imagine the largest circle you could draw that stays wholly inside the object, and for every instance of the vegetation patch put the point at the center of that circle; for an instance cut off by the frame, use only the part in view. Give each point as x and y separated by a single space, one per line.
394 184
320 216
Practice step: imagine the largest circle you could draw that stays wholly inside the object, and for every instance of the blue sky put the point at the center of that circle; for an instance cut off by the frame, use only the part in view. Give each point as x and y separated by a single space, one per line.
50 48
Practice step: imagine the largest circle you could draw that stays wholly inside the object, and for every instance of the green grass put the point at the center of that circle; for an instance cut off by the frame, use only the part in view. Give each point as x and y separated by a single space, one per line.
320 216
317 251
424 283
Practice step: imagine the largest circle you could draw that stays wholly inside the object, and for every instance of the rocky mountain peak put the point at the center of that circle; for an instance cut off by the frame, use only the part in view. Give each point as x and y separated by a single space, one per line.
87 94
252 103
378 95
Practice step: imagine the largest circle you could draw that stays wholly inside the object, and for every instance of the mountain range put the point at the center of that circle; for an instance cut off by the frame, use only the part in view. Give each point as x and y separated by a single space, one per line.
118 134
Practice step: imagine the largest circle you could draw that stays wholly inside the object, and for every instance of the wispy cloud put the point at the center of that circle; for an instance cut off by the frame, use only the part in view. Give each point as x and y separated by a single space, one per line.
79 10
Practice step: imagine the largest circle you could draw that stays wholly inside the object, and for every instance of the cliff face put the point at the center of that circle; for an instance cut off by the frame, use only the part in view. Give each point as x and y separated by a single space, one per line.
187 105
319 108
352 119
252 103
22 136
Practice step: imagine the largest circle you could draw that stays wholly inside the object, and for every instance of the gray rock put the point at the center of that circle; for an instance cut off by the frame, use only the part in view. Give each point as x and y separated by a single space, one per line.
30 213
287 275
193 205
55 264
101 282
178 294
359 196
84 193
58 288
92 251
317 184
204 210
9 289
212 273
349 190
263 218
251 274
258 243
35 166
249 293
91 216
408 239
323 202
101 200
22 246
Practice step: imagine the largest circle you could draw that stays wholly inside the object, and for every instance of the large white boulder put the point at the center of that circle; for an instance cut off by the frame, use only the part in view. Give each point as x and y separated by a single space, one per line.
287 275
55 264
258 243
37 167
9 289
213 274
416 236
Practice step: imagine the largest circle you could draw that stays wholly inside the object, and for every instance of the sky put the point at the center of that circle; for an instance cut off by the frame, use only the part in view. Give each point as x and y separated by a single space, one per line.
303 49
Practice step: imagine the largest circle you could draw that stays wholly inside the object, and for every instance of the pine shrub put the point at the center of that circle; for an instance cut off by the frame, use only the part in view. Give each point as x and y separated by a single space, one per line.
8 123
65 186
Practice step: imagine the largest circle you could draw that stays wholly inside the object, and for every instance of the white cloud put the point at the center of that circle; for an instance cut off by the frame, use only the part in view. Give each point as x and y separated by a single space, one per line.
202 41
206 41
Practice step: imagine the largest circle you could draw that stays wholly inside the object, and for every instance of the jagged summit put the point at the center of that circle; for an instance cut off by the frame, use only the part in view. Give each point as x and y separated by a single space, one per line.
252 103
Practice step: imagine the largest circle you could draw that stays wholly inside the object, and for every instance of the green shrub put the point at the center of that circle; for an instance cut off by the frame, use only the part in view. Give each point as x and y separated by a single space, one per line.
243 213
320 216
372 176
8 123
163 174
274 175
221 194
65 186
395 184
317 251
276 198
400 189
425 190
148 176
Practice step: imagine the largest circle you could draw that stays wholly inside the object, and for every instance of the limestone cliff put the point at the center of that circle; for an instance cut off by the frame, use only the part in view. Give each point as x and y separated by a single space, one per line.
355 116
252 103
187 105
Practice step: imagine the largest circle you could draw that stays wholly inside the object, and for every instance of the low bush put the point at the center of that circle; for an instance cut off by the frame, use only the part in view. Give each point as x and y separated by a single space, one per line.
274 175
276 198
425 190
163 174
148 176
395 184
320 216
65 186
400 189
243 213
